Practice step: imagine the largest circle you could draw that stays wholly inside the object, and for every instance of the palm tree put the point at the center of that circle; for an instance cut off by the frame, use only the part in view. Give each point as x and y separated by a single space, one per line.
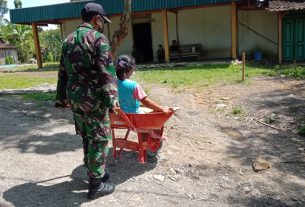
3 9
18 4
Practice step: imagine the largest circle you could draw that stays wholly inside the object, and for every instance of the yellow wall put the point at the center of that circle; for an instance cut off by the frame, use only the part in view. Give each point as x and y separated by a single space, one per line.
127 44
262 22
126 47
69 26
210 27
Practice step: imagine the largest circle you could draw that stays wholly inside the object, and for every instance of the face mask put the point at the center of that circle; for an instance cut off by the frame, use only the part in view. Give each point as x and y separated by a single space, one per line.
101 26
101 29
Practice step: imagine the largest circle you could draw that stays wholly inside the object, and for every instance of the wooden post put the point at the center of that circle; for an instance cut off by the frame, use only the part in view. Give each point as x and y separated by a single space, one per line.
280 18
108 29
234 30
37 45
165 33
61 32
244 66
177 28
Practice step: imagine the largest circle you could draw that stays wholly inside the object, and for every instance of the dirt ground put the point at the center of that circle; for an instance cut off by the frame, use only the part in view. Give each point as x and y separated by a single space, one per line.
206 159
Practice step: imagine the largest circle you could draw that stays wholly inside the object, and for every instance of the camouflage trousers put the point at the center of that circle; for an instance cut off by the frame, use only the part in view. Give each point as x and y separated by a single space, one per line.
94 127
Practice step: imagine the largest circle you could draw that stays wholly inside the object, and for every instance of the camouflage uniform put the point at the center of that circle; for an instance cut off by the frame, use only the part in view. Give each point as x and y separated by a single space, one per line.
86 79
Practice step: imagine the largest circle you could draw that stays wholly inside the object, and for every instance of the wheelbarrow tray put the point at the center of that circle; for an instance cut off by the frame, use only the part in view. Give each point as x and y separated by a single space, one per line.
141 124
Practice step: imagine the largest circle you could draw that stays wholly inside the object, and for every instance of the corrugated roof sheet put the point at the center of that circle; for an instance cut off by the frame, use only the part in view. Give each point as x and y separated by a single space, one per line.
7 46
276 6
72 10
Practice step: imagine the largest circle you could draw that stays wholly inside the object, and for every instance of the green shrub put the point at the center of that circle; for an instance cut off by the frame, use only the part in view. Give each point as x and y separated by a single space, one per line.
237 111
39 97
270 118
302 130
9 60
48 57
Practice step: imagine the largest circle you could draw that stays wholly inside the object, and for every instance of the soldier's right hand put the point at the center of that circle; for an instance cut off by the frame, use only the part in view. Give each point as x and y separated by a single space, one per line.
61 104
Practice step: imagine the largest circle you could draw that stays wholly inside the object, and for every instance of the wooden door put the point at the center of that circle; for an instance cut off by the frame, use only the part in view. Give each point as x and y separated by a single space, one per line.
299 31
294 39
288 39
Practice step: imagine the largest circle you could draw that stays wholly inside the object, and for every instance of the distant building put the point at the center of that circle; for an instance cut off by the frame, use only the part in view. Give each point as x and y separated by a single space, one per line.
220 28
7 50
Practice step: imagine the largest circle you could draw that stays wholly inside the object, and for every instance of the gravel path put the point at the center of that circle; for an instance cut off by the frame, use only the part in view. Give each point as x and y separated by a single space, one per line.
205 161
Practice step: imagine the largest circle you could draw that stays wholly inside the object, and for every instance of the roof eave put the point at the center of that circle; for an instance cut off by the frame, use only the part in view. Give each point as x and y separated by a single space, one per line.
56 13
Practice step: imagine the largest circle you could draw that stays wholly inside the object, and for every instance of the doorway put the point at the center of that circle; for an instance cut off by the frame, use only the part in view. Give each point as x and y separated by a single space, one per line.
294 39
142 43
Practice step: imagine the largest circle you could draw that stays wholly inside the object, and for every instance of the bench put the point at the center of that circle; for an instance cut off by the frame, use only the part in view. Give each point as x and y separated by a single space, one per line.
187 51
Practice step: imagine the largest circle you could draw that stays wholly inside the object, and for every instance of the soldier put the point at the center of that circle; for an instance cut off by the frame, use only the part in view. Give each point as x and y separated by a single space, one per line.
87 84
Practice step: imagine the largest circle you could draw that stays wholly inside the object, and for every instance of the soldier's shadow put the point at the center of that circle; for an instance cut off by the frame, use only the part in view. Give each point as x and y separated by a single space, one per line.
72 190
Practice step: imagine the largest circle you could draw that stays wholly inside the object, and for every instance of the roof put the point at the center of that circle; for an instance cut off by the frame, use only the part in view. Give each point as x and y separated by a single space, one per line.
276 6
7 46
57 12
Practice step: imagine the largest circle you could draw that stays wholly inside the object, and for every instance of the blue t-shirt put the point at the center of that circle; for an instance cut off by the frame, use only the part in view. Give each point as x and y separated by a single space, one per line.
127 101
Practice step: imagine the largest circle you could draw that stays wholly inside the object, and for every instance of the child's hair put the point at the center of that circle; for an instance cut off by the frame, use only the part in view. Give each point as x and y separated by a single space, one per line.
124 64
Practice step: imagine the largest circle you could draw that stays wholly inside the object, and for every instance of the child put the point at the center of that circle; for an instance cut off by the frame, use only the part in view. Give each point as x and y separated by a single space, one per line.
160 54
131 95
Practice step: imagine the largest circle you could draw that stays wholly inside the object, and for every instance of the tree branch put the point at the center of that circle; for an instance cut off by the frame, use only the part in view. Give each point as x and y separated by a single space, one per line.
120 34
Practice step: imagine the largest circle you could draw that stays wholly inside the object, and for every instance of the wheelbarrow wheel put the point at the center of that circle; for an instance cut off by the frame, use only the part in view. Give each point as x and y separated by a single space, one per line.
154 146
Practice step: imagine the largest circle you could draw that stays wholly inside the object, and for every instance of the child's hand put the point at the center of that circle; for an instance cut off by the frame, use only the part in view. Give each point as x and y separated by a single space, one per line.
168 110
111 110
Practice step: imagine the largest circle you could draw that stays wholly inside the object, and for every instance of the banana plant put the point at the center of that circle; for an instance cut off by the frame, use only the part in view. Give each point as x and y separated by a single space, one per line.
21 36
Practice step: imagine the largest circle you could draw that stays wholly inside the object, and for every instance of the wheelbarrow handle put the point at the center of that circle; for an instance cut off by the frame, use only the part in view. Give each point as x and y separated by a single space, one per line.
118 111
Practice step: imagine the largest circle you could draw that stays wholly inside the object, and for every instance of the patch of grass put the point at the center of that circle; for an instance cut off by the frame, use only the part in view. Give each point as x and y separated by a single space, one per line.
270 119
237 111
32 67
196 77
39 97
290 71
21 80
302 130
234 157
175 77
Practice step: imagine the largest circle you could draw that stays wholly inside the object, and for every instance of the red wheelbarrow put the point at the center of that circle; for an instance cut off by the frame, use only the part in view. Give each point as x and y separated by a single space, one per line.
149 128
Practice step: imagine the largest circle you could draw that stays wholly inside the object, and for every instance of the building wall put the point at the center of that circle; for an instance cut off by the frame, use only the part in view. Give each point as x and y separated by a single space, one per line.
157 33
69 26
127 44
126 47
210 27
7 52
259 33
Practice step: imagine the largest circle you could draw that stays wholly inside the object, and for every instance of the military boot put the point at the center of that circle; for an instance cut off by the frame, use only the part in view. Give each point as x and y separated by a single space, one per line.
104 179
98 188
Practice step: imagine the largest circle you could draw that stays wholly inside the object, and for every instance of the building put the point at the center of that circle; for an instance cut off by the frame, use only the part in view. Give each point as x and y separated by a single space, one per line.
222 28
7 50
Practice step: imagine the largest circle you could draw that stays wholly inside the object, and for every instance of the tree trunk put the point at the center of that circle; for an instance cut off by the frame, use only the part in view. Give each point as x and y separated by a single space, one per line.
120 34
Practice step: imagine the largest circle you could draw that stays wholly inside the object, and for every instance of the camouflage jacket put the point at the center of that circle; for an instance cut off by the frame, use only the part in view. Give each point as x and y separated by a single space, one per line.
86 75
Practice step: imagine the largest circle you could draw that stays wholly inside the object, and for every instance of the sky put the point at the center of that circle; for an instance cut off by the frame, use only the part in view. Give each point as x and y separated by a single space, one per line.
32 3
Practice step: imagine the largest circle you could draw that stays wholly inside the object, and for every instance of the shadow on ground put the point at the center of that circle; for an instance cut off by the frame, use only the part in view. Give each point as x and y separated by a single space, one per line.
280 147
72 190
263 201
42 131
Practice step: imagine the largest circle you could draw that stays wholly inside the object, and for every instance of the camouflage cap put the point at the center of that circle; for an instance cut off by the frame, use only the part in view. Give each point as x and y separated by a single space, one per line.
94 8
